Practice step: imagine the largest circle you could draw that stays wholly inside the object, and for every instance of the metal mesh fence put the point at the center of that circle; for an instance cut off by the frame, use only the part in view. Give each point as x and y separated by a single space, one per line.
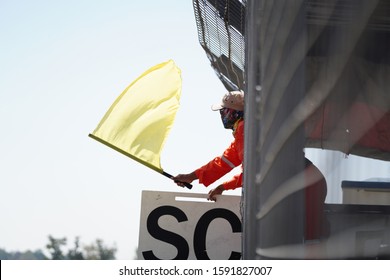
221 27
317 80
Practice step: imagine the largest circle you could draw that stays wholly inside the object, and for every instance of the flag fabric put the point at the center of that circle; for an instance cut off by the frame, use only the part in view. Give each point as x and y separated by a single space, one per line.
138 122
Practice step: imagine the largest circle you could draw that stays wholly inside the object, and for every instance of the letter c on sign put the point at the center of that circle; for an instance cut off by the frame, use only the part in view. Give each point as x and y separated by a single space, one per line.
201 231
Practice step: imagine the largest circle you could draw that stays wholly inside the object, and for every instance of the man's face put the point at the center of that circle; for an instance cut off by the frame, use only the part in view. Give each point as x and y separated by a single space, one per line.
229 117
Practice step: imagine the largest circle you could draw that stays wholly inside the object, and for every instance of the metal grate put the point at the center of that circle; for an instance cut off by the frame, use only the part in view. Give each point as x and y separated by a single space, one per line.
220 25
221 31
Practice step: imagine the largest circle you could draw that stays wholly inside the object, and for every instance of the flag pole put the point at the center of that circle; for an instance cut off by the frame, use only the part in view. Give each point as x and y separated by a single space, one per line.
187 185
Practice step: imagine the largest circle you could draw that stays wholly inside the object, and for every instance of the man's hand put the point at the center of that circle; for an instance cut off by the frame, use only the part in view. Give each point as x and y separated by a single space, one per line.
214 192
184 178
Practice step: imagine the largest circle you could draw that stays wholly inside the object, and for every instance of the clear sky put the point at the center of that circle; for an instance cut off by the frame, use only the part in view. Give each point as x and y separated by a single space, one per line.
62 64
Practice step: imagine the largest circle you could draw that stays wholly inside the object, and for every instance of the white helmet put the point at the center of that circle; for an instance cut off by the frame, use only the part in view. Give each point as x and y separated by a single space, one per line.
232 100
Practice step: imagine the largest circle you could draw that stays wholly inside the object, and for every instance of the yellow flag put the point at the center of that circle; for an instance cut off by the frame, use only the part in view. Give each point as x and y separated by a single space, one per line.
138 122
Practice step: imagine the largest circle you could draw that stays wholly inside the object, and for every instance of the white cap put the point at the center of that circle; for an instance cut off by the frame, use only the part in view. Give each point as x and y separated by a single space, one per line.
232 100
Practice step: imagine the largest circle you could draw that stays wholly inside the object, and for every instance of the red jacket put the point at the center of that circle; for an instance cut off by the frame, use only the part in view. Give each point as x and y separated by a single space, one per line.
221 165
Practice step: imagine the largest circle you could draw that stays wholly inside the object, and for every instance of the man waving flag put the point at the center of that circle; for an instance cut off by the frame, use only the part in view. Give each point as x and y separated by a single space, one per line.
138 122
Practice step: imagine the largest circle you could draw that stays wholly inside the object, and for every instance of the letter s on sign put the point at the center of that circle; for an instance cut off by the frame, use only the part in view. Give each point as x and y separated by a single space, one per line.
164 235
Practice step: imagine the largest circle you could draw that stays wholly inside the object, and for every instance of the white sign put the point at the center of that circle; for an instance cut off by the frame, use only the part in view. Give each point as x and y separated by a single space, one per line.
185 226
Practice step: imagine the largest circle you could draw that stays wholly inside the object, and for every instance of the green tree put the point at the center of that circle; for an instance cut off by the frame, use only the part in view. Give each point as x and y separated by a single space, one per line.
4 255
54 247
95 251
75 253
27 255
98 251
